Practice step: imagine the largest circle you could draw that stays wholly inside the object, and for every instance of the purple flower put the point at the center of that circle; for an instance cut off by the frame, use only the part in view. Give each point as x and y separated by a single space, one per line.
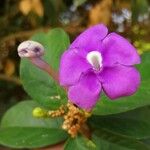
97 61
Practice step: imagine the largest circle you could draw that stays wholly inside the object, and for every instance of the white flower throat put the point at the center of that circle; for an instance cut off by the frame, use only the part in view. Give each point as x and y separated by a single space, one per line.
95 59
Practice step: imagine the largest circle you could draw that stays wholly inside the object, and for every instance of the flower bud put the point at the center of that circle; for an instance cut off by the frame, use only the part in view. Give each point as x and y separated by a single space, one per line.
39 112
30 49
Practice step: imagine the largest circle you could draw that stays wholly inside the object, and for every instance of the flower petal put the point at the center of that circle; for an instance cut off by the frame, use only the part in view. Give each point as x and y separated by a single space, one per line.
91 38
71 67
86 92
120 81
117 49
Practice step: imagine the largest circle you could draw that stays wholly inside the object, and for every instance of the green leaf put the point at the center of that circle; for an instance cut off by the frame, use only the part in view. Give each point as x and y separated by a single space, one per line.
146 141
145 73
20 115
19 129
141 98
30 137
135 123
106 140
37 83
79 143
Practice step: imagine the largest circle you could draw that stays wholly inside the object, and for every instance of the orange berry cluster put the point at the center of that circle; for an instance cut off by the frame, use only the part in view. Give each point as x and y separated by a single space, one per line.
73 120
57 113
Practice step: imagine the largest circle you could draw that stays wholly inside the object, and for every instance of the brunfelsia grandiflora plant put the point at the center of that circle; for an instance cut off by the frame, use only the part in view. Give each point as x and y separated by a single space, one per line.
86 93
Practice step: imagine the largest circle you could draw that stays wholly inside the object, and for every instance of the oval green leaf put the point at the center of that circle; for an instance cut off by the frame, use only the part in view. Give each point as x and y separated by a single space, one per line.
135 123
30 137
106 140
37 83
19 129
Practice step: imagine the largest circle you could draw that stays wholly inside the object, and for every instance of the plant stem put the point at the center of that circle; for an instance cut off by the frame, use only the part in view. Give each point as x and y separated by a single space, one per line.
40 63
85 130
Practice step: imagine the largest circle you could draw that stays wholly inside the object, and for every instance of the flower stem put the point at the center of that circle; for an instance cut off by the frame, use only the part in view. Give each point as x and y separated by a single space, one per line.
40 63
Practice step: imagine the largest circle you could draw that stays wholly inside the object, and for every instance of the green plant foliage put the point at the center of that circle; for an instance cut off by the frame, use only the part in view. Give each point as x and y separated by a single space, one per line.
20 115
20 130
141 98
79 2
52 10
106 140
142 45
135 123
79 143
139 8
36 82
30 137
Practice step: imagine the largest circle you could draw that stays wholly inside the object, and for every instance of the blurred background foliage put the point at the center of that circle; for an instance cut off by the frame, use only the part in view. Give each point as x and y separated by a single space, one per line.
19 19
